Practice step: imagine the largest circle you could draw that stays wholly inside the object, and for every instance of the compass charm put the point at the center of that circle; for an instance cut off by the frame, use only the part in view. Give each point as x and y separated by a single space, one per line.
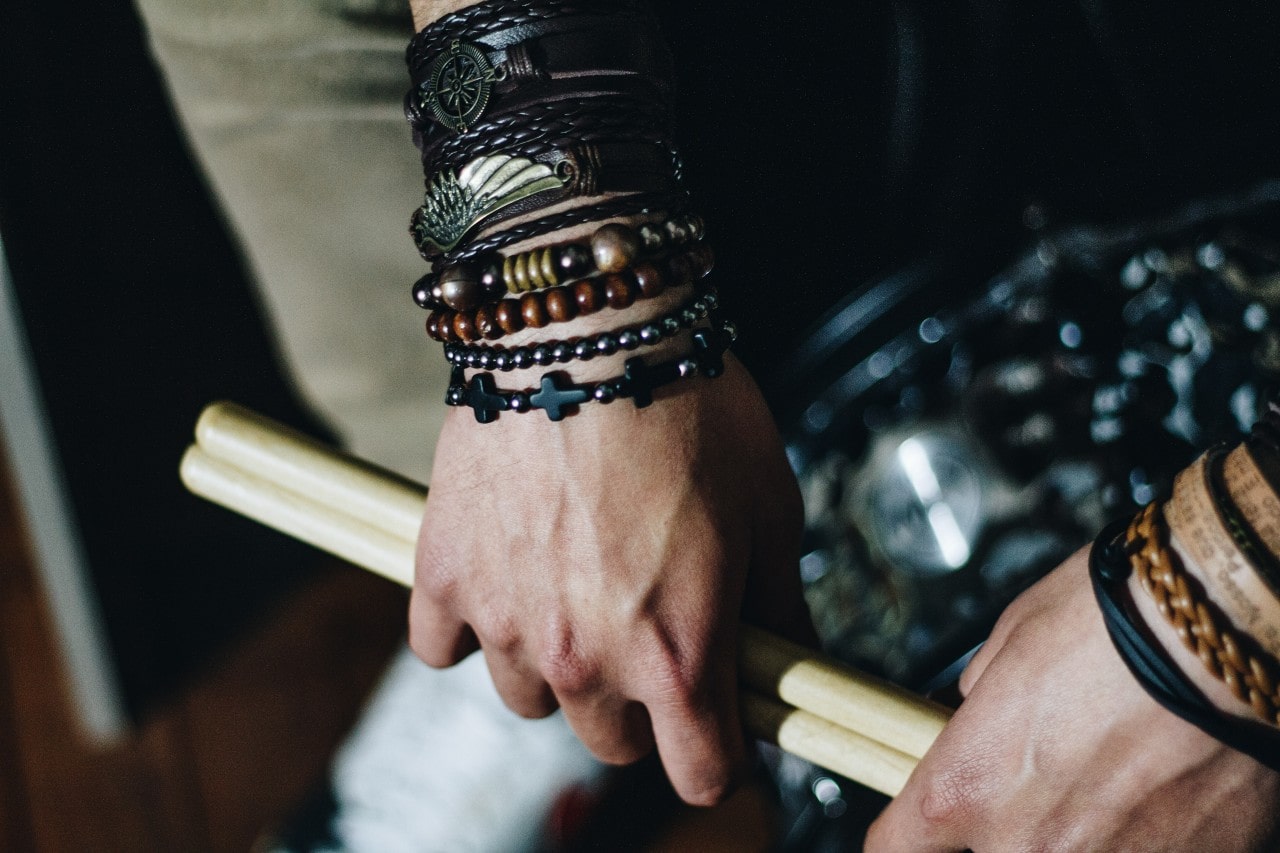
457 86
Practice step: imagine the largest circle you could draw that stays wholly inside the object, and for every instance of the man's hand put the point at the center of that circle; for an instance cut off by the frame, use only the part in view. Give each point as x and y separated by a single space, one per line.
1057 747
602 562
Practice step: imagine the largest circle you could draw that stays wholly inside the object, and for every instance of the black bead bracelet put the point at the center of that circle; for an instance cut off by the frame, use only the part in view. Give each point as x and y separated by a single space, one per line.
546 353
558 395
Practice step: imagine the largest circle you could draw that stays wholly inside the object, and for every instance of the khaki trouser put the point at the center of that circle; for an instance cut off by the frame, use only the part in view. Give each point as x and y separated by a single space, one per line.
292 107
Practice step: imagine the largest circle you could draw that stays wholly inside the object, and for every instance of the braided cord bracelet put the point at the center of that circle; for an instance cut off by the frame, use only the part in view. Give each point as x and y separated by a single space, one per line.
1109 570
1249 674
558 396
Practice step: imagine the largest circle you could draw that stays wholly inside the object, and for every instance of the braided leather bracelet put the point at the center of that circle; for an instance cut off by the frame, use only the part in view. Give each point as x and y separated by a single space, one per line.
638 204
1109 570
1250 674
558 396
539 308
496 15
546 353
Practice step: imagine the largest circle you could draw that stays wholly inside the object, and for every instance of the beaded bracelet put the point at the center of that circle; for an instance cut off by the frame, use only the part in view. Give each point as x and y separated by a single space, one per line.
558 396
584 349
587 296
612 248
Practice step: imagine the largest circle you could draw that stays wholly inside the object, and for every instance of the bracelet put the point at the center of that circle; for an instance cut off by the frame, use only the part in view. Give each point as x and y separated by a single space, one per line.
1236 508
496 15
558 396
584 349
539 308
1249 674
638 204
612 248
540 128
1196 518
496 187
1109 569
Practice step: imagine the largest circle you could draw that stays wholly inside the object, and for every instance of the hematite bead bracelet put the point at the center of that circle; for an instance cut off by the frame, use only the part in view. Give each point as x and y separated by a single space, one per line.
539 308
545 353
558 395
612 248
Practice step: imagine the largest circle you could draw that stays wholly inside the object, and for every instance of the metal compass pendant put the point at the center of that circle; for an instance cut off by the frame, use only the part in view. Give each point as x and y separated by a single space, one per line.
457 86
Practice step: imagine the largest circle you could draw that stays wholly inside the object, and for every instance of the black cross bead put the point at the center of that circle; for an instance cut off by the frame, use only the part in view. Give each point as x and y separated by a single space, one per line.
484 397
640 382
557 395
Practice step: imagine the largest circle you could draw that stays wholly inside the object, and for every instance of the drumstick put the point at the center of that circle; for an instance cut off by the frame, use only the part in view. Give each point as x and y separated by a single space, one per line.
370 517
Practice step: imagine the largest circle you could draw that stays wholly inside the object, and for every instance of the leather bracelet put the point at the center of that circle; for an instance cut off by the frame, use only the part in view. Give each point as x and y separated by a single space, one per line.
612 248
1163 681
497 187
546 353
1235 660
1237 499
587 296
550 124
558 396
493 74
1197 519
637 204
492 16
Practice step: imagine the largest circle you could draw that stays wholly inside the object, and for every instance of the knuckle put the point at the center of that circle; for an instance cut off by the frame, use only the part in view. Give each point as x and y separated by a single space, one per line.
953 798
434 578
567 671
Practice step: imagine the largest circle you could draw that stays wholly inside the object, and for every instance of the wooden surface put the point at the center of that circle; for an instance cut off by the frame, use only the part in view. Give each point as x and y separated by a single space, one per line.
227 758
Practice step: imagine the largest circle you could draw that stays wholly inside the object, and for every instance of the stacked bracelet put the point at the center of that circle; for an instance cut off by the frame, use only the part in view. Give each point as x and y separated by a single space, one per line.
1231 658
1109 570
558 396
546 353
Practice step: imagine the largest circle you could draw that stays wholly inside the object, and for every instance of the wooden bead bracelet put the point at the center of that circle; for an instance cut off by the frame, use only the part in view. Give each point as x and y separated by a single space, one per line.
560 304
558 396
1250 674
612 248
546 353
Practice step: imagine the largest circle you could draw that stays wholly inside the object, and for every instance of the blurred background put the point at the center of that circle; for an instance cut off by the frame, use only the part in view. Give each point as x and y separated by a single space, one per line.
1001 272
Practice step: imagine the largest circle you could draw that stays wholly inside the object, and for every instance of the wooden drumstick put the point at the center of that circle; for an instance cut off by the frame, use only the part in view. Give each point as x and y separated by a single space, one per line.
369 516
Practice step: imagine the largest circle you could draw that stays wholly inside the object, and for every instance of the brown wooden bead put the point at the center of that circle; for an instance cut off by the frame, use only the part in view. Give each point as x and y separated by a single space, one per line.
464 325
445 326
589 296
619 291
460 287
614 247
486 323
561 305
649 279
507 314
433 326
680 271
533 310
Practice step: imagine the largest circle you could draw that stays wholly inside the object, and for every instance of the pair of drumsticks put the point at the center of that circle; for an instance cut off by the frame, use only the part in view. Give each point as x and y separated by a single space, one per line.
819 709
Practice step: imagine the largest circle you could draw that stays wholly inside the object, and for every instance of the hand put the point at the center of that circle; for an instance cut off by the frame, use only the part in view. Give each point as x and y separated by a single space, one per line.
1057 747
602 563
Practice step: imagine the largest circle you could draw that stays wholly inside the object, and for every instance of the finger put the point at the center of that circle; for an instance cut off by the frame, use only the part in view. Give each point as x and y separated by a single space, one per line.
436 634
617 731
521 687
698 732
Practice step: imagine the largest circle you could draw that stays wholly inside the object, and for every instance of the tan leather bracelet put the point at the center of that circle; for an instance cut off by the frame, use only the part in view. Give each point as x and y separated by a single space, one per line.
1249 672
1197 525
1257 505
